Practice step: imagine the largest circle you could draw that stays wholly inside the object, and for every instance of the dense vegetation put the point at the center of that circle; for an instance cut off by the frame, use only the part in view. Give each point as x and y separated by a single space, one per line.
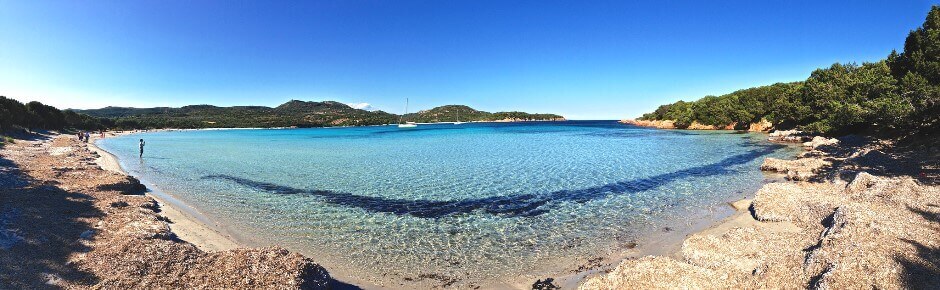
293 113
450 113
35 115
896 96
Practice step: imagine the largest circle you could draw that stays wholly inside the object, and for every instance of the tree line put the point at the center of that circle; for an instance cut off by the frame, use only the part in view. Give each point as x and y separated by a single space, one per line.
36 115
895 96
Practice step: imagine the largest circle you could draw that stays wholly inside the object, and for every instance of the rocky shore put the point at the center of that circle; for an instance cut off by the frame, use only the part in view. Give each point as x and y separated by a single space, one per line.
658 124
761 126
67 223
510 120
855 214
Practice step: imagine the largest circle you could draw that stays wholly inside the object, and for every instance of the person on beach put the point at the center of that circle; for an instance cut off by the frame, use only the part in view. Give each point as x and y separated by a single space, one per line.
142 148
81 135
87 136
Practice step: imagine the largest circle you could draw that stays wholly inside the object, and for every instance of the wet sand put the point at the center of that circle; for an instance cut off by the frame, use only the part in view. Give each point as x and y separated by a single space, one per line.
185 222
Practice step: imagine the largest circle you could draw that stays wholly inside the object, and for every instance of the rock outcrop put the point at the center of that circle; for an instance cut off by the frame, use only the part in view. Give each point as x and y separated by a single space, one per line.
664 124
507 120
761 126
799 170
788 136
820 141
873 232
699 126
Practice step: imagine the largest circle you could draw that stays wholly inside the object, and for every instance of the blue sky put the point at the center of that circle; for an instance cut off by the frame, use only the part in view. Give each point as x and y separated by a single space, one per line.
582 59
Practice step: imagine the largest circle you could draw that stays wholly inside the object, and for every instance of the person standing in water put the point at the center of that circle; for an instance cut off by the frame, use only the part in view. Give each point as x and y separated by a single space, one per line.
142 148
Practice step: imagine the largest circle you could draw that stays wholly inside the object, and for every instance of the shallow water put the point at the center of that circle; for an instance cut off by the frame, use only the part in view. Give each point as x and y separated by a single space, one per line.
457 205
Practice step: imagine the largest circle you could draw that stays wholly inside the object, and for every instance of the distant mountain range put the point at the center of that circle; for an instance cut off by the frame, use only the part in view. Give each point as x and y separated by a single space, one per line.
292 114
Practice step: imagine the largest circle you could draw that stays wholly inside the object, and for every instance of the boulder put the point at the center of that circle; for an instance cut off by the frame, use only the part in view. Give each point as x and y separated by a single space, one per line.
128 186
802 169
762 126
788 136
820 141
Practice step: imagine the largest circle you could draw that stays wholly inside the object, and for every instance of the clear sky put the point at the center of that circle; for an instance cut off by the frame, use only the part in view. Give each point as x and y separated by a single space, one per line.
582 59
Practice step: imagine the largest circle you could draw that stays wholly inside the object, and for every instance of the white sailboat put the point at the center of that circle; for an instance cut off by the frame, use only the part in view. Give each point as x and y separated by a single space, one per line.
458 118
407 124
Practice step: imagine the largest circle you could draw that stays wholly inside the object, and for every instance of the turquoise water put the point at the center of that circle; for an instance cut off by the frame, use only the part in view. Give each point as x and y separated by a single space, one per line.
444 204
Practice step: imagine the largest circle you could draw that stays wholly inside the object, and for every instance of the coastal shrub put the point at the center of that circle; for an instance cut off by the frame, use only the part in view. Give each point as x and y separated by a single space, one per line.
681 112
36 115
845 98
782 105
6 140
893 97
918 70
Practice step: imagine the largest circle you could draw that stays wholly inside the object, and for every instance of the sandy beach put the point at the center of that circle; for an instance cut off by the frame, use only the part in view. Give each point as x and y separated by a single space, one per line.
378 145
800 233
67 222
193 228
184 221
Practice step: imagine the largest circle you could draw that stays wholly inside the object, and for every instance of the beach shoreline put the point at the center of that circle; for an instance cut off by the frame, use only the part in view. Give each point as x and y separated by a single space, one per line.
832 224
185 222
68 222
716 223
204 234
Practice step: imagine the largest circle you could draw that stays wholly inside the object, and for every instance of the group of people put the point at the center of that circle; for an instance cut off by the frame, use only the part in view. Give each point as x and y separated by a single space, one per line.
84 136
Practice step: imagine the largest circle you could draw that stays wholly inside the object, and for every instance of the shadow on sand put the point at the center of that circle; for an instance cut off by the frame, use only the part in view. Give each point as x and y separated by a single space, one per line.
41 225
919 159
924 271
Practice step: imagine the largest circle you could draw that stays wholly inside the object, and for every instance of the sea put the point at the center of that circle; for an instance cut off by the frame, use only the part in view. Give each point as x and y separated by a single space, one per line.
450 205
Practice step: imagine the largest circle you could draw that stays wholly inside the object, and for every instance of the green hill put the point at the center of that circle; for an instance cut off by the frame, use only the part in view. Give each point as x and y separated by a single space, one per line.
293 113
450 113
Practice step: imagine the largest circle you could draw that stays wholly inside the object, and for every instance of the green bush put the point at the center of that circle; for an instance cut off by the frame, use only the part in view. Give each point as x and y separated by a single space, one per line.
36 115
896 96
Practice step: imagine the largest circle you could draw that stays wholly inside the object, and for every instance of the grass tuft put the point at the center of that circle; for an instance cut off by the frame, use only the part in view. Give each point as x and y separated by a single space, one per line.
6 140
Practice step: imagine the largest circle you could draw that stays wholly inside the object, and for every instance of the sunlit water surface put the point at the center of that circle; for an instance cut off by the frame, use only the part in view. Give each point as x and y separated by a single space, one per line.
449 204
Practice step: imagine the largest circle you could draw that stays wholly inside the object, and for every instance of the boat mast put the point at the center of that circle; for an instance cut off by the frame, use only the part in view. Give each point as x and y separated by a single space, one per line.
402 118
